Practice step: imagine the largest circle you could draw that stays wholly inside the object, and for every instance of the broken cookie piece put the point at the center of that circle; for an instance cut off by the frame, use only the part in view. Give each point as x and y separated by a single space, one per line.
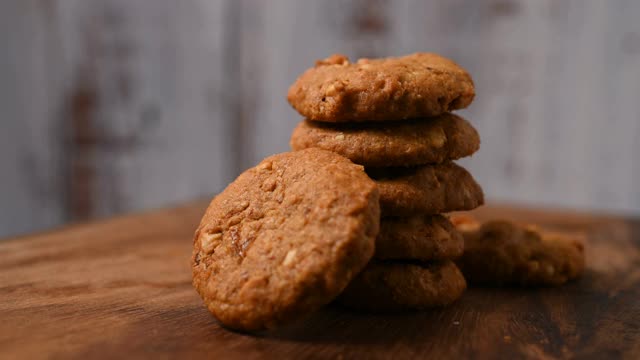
502 252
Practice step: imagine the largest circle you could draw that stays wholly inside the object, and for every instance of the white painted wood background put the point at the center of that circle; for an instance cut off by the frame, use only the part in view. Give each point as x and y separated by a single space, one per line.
110 106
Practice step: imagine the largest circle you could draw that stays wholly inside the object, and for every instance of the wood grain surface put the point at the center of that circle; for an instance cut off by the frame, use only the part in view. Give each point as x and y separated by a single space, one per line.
121 289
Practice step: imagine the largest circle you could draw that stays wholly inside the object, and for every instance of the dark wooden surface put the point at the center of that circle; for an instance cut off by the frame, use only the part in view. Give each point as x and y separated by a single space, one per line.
121 288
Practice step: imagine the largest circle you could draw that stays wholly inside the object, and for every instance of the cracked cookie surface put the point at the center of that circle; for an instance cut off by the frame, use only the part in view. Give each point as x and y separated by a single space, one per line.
284 238
413 142
396 88
502 252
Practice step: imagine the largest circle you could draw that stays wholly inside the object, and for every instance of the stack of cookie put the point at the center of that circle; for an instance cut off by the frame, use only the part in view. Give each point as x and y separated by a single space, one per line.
393 117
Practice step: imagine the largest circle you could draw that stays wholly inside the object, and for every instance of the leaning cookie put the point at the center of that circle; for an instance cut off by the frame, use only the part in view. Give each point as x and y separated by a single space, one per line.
395 286
415 142
412 86
420 237
285 238
506 253
428 189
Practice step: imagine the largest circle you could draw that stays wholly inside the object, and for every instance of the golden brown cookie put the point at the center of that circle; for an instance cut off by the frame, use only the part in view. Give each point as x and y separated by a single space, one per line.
414 142
413 86
506 253
428 189
285 238
393 286
421 237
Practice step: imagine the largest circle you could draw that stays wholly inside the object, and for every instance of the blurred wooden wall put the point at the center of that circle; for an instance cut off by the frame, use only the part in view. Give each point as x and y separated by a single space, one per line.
111 106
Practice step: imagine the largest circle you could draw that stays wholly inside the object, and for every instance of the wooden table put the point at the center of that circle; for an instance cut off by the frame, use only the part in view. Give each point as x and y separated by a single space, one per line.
121 288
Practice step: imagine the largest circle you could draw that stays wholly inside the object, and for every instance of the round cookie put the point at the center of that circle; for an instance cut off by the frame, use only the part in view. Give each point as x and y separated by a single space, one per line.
429 189
395 88
506 253
413 142
285 238
421 237
384 286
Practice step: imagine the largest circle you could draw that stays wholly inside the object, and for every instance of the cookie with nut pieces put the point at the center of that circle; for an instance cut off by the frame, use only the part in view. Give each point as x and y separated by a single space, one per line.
420 237
426 189
406 143
285 238
396 88
501 252
396 286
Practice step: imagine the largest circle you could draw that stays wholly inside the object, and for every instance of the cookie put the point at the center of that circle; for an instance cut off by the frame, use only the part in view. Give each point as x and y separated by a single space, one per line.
414 142
391 286
412 86
422 237
506 253
429 189
285 238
